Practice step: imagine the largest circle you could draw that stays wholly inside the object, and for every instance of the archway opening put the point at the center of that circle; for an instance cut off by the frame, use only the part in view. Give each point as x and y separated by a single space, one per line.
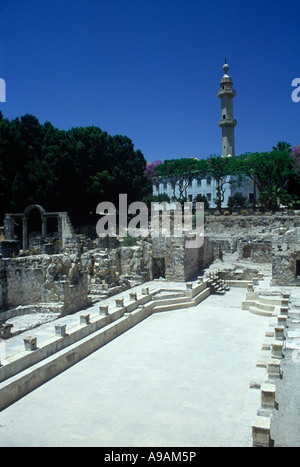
159 268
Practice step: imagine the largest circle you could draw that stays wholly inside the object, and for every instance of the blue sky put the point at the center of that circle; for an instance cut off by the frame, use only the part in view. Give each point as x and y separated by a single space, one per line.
151 69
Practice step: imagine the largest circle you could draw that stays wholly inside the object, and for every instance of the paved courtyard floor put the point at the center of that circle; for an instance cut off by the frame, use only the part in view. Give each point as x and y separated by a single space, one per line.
178 378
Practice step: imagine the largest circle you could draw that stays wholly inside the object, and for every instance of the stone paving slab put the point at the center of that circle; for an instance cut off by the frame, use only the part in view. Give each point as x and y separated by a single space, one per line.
178 378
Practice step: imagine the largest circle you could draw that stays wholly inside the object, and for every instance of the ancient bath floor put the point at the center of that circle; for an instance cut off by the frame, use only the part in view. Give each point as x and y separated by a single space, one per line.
178 378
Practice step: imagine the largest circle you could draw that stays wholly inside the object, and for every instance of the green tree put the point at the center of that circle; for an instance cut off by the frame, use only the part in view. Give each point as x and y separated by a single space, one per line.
282 146
70 170
220 169
270 172
179 173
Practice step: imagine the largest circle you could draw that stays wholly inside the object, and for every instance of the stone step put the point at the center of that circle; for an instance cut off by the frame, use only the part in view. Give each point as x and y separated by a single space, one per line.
271 301
23 372
173 307
259 311
264 306
171 301
169 296
41 371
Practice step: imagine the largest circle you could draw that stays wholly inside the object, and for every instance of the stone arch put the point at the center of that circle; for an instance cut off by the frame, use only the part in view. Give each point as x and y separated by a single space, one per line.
25 215
34 206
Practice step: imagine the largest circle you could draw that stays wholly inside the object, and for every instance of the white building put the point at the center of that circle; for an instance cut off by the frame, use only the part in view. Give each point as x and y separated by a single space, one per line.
207 186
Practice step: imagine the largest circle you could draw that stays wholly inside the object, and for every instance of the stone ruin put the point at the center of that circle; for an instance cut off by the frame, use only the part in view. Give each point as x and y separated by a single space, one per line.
68 271
64 230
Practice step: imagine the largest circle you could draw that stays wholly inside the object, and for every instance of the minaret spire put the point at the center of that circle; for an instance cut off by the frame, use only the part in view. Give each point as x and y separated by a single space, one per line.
227 122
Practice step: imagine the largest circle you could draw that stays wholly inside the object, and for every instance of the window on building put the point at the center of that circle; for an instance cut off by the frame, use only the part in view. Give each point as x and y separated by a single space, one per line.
190 198
198 183
208 196
224 116
208 181
165 186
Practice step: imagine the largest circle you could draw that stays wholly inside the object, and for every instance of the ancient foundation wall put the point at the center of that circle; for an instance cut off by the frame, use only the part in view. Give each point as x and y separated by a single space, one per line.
239 225
42 279
284 268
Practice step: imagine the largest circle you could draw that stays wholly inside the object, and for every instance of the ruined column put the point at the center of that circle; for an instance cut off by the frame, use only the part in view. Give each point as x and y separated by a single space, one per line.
44 226
25 233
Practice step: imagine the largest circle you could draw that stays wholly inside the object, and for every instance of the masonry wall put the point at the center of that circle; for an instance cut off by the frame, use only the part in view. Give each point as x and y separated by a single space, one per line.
284 267
25 281
42 279
240 225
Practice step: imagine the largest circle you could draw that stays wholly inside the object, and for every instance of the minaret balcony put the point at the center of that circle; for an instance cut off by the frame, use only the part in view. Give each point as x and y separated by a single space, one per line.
227 92
227 122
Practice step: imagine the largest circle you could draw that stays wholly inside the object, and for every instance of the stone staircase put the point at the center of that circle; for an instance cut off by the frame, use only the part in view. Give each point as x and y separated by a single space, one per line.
51 349
217 284
263 304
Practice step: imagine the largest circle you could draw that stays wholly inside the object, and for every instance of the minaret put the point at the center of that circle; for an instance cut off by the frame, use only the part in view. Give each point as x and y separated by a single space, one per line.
227 123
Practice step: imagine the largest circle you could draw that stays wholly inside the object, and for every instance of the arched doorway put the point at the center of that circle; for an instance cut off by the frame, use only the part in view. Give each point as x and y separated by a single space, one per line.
25 219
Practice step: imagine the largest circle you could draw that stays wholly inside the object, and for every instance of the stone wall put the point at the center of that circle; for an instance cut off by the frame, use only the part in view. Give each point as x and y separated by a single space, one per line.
284 267
42 279
67 278
3 285
255 249
76 294
244 225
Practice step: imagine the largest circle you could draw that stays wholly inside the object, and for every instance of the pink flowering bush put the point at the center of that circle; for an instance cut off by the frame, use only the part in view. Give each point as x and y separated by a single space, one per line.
295 155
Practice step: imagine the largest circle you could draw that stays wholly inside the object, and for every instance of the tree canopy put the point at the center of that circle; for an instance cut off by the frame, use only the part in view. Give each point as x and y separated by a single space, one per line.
273 173
71 170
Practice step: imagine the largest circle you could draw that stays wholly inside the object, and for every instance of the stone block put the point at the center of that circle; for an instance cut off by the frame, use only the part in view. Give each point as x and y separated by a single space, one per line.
119 302
268 395
277 347
85 318
133 296
30 343
103 310
273 368
60 330
5 330
284 310
261 432
145 290
281 320
279 332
